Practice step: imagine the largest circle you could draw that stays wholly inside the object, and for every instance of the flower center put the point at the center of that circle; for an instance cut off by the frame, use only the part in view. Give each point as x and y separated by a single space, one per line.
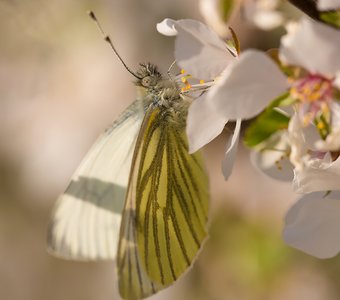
312 88
314 94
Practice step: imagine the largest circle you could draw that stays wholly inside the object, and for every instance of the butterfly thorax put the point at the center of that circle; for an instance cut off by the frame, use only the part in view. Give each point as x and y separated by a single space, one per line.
162 94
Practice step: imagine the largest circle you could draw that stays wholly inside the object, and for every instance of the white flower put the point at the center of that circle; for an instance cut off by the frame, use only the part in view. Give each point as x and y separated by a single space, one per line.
314 170
328 4
312 224
263 13
314 47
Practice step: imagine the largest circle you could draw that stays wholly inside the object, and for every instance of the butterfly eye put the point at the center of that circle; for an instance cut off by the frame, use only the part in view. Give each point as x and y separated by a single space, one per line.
148 81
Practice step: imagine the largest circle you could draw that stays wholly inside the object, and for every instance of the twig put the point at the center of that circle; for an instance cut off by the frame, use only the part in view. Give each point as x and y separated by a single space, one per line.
308 7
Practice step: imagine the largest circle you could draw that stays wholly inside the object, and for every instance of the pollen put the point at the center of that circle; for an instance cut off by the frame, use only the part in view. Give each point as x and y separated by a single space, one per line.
278 165
202 81
185 78
183 71
186 87
320 125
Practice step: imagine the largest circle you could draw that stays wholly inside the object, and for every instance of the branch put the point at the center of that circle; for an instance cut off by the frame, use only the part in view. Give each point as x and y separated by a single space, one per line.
308 7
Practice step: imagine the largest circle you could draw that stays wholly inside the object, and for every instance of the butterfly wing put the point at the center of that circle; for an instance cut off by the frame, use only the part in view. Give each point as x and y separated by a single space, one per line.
86 219
165 215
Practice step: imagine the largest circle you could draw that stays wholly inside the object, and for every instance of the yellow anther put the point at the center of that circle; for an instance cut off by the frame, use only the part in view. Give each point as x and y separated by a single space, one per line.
201 81
278 165
183 71
314 96
184 79
306 90
307 119
294 92
290 79
320 125
324 108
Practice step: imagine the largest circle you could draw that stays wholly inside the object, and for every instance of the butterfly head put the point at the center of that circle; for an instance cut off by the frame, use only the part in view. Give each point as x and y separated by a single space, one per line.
148 76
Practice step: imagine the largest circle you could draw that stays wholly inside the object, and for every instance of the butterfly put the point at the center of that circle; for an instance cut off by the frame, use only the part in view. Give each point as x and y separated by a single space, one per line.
138 197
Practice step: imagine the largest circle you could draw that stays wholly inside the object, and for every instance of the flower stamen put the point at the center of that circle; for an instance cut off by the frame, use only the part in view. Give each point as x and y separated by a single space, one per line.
314 94
312 88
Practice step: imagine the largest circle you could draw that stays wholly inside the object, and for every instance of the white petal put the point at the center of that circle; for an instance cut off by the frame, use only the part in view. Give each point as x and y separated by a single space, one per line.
212 14
318 175
274 164
263 14
314 46
297 142
203 124
231 150
247 87
328 4
199 50
265 162
331 143
311 135
335 109
312 225
268 20
336 81
167 27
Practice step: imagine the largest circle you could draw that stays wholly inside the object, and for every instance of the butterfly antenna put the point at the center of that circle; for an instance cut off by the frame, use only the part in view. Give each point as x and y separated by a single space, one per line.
108 40
169 70
170 76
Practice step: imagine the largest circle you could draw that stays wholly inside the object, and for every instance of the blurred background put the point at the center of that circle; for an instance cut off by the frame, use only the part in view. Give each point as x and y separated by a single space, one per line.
61 86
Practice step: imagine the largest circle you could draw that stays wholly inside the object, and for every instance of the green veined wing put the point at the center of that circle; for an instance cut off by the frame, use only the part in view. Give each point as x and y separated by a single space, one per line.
165 215
86 218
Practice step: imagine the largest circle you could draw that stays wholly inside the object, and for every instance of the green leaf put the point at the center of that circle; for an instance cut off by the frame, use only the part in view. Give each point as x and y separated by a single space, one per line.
283 100
331 17
268 122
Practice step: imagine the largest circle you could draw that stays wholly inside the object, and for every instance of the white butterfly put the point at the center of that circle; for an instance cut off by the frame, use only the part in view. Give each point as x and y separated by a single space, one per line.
166 206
